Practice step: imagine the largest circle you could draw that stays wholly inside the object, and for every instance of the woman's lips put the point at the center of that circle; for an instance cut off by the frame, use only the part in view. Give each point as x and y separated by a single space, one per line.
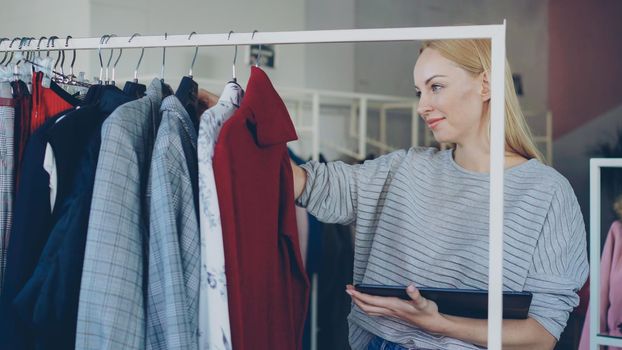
433 122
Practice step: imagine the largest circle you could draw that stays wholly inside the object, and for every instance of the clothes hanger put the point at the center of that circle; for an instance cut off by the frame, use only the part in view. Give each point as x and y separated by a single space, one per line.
52 40
71 85
133 88
101 62
114 67
16 74
235 56
107 82
39 46
5 52
163 58
140 59
233 91
55 77
166 89
10 47
71 78
258 58
24 57
188 90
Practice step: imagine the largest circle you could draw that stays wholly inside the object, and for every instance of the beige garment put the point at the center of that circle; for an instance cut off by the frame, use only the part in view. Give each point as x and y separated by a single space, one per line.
302 221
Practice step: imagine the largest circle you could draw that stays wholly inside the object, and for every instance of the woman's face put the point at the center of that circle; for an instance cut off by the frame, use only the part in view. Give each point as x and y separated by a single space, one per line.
451 100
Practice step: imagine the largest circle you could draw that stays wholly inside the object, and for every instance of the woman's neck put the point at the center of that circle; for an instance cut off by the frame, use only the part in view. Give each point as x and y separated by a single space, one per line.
477 159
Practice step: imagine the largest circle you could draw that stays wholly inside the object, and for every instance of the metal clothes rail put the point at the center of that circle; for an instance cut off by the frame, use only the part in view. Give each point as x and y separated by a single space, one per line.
496 33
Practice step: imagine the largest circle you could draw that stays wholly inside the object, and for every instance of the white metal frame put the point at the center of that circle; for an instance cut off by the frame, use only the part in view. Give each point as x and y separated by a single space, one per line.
496 33
595 338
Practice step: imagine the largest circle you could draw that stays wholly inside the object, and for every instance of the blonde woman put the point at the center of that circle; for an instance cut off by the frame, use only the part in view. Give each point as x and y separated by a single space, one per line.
421 216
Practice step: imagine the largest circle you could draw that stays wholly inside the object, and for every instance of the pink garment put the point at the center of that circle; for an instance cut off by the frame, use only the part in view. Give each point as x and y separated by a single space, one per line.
610 289
302 222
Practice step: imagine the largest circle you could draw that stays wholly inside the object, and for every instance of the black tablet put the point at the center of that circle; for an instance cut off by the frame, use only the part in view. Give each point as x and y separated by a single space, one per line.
471 303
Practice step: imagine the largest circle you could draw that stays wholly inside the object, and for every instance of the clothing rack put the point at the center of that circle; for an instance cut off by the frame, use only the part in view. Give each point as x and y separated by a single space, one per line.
494 32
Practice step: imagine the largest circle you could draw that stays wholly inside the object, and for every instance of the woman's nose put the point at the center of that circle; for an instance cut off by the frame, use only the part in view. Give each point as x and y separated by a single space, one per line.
423 106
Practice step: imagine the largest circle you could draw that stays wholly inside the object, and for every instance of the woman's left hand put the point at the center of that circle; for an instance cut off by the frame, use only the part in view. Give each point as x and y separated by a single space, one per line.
419 311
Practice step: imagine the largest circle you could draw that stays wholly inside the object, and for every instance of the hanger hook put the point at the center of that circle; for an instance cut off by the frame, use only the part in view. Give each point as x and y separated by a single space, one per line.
163 58
22 42
60 52
32 52
258 57
196 51
39 45
235 56
99 53
73 60
10 47
114 67
28 41
19 47
62 62
53 40
142 52
109 58
5 52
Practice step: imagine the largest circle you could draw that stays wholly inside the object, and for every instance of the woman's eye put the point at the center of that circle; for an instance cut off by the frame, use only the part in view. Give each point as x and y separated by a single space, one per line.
418 94
436 88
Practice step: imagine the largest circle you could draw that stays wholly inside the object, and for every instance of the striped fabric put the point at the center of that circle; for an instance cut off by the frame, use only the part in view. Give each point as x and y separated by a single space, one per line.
7 171
420 218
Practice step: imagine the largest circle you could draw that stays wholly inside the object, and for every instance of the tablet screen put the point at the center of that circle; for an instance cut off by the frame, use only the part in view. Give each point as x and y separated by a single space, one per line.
470 303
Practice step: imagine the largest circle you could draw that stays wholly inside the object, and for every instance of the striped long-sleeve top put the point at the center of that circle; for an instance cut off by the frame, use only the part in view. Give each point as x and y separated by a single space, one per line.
421 218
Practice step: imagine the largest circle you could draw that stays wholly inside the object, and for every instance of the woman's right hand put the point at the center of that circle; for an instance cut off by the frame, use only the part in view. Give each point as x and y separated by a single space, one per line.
300 179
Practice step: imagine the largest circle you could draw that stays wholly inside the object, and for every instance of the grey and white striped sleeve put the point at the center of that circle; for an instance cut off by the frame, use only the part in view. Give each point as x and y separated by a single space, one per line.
559 267
332 189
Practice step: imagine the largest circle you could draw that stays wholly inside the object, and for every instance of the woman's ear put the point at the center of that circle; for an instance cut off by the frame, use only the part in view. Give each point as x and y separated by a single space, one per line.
485 86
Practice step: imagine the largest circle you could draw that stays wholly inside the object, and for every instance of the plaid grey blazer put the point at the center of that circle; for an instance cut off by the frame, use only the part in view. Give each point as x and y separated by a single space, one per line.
111 311
174 244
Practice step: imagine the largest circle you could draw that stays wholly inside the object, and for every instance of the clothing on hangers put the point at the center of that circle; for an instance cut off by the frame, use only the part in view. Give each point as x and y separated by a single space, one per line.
214 327
46 301
27 238
267 286
111 311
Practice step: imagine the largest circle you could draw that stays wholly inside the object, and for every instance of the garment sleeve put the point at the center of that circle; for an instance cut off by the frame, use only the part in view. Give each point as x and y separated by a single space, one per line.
607 269
332 189
559 266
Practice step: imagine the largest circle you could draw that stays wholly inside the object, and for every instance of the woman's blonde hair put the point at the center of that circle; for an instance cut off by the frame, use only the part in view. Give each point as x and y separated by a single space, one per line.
474 56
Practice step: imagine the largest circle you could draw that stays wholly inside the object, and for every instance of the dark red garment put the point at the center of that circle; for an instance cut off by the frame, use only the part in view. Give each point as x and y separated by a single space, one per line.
46 102
34 110
267 286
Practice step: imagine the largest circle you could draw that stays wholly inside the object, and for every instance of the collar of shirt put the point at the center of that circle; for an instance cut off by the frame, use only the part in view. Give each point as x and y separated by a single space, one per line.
273 123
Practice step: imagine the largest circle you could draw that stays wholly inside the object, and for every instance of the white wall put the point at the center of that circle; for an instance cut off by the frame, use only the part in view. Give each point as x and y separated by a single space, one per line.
38 18
330 66
387 67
